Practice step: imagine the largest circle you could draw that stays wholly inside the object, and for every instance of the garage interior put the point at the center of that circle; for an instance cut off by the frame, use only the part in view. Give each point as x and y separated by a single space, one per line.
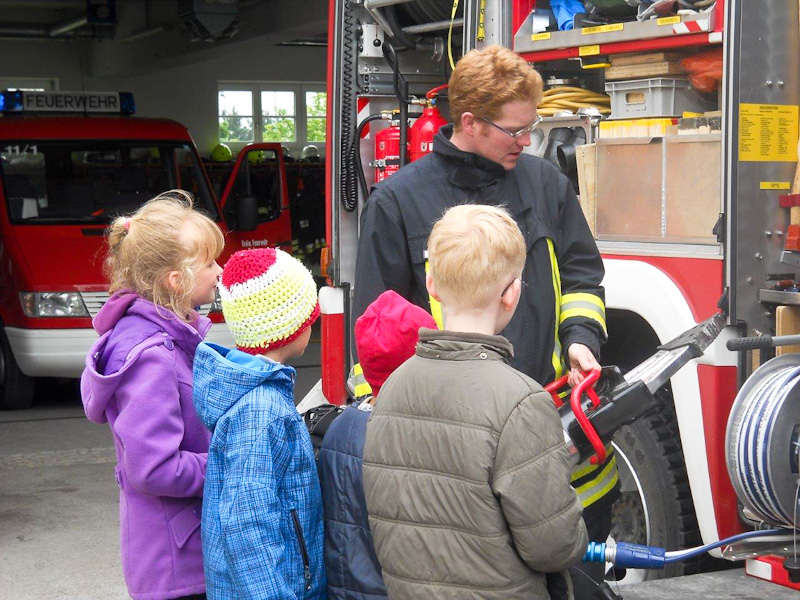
171 54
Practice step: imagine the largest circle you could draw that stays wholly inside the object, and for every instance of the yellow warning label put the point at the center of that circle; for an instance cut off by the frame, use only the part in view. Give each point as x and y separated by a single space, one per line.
668 21
482 22
768 132
589 50
776 185
538 37
603 28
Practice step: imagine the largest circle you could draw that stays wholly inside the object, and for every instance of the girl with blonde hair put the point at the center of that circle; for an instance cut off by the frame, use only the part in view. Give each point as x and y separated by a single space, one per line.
138 378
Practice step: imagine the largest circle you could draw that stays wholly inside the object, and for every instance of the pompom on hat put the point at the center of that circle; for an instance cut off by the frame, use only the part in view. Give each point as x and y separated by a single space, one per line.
268 299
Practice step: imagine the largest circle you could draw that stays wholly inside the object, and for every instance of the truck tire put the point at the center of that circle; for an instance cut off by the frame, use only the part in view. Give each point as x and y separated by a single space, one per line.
656 507
16 388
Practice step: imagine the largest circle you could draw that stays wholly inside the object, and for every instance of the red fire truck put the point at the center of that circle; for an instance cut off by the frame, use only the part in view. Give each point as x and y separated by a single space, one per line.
71 162
687 224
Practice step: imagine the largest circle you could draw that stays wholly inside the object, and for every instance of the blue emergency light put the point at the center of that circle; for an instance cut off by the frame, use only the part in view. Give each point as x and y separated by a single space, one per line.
25 101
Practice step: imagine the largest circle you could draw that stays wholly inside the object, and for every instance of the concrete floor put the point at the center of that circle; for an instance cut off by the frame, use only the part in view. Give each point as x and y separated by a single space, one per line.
59 502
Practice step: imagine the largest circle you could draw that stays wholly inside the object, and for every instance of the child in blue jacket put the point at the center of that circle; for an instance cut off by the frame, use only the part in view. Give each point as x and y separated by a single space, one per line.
262 524
386 336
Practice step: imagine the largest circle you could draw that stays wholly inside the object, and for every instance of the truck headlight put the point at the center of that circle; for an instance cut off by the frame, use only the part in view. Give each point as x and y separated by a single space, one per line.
53 304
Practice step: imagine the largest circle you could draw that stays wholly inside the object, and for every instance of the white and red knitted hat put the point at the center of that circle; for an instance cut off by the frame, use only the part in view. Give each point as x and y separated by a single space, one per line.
268 299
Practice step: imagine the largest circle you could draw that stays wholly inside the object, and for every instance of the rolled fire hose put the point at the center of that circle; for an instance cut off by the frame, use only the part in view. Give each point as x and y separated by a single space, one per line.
572 98
762 441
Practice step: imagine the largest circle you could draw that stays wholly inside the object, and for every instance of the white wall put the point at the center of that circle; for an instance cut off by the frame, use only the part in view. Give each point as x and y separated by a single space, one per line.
186 93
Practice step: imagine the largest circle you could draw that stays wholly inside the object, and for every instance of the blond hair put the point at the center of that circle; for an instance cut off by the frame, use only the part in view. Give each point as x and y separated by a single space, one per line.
484 80
166 234
474 252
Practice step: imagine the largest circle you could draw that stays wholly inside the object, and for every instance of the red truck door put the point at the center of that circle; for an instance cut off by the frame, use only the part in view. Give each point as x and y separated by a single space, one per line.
255 200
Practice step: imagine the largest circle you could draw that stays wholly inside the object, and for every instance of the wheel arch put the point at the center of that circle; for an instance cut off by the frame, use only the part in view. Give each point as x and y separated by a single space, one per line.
645 308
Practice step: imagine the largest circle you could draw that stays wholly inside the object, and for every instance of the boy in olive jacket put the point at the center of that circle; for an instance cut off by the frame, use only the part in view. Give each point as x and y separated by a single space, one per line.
465 456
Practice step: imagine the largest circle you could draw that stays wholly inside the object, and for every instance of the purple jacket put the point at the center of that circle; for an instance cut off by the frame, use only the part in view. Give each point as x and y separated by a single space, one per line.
138 379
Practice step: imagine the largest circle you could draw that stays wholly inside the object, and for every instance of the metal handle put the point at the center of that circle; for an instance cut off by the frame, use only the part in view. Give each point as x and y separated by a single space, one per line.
761 342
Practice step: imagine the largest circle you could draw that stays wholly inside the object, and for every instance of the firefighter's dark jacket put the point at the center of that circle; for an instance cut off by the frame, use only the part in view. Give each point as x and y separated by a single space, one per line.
401 211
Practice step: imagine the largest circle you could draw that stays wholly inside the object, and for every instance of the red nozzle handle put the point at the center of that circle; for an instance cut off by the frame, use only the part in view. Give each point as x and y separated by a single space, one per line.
553 387
583 420
435 91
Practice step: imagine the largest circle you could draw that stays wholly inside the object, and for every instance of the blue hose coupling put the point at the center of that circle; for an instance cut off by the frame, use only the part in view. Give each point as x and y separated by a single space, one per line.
626 556
595 553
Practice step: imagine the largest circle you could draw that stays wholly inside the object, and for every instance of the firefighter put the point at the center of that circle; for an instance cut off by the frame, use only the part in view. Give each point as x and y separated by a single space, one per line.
560 323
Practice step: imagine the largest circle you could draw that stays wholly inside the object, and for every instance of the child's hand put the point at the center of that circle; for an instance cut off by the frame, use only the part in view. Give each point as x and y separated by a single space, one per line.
581 360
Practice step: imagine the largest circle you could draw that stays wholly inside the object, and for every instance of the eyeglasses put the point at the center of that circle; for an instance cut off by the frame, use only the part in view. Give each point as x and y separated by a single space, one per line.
514 134
508 287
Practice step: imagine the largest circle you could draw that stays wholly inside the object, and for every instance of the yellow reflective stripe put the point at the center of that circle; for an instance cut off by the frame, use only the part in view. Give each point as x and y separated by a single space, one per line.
583 312
579 471
359 384
436 306
362 389
583 297
582 304
558 363
592 491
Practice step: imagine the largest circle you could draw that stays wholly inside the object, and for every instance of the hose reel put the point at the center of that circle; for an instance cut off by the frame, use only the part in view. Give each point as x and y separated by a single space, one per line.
762 442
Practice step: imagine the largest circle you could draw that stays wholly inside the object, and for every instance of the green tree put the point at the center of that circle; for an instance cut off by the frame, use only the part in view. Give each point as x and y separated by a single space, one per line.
316 108
316 104
233 128
277 129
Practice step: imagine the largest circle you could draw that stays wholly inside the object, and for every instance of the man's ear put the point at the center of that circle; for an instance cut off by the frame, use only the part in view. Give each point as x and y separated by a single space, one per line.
468 123
431 286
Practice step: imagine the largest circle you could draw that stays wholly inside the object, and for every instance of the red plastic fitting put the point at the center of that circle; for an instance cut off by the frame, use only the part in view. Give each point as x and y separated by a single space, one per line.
553 387
585 386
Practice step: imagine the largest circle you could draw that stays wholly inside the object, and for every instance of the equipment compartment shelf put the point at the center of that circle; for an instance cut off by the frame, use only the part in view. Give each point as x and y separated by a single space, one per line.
777 297
654 34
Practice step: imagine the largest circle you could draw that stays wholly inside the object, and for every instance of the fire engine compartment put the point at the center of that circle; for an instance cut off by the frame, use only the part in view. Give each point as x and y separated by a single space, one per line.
698 188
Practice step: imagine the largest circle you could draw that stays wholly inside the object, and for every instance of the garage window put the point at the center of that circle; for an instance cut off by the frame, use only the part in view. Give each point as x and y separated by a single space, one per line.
292 114
278 113
236 116
315 116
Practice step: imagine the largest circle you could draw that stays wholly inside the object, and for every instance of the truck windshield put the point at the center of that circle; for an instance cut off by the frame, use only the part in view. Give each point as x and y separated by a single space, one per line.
79 181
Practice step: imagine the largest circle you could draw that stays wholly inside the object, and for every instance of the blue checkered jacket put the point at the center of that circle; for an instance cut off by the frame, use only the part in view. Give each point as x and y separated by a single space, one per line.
262 506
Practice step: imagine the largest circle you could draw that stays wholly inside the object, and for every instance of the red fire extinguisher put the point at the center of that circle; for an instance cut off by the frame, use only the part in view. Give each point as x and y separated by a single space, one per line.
425 127
387 151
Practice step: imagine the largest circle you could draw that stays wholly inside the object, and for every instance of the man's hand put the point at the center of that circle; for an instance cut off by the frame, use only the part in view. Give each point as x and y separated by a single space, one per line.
581 360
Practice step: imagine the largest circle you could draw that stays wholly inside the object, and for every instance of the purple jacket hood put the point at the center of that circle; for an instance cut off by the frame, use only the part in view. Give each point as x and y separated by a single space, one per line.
129 324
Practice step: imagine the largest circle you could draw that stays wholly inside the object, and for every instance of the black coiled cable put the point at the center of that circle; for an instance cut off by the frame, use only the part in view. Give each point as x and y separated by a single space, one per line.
348 178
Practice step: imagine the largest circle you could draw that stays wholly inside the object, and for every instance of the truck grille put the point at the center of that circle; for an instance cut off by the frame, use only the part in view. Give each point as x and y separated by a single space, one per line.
94 301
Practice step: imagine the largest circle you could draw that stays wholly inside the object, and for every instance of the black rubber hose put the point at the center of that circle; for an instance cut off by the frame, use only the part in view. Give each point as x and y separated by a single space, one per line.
355 156
390 54
355 159
404 129
405 40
